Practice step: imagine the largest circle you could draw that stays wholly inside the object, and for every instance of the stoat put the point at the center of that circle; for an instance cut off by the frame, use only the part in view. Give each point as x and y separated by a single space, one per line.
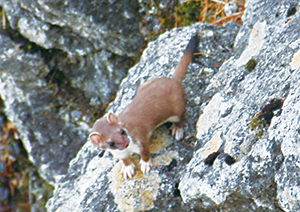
157 101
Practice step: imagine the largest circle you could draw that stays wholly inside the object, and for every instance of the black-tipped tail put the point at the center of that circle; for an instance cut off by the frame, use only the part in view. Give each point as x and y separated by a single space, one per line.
193 44
186 58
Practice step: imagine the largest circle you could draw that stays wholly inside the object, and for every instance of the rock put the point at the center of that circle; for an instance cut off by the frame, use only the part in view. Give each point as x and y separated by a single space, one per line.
30 105
249 120
78 27
97 184
242 102
61 64
95 36
252 117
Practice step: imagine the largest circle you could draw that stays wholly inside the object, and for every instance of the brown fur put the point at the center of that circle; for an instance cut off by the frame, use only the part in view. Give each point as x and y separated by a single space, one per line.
156 101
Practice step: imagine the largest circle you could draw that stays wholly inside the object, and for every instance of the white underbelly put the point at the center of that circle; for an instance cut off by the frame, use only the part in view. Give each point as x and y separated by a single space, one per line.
173 119
125 153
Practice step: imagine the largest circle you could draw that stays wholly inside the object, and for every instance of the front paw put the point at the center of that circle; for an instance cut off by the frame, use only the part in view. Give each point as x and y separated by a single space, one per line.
146 166
128 171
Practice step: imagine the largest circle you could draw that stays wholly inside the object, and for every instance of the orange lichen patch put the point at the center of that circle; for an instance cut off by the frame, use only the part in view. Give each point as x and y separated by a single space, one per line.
160 140
165 158
213 145
295 62
116 174
139 192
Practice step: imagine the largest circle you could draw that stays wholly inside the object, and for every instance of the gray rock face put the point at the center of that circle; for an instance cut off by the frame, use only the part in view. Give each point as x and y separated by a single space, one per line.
242 102
97 184
96 36
61 63
249 119
265 175
77 27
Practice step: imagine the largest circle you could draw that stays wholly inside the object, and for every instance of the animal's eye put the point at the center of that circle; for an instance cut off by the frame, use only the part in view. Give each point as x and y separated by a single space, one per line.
111 144
123 132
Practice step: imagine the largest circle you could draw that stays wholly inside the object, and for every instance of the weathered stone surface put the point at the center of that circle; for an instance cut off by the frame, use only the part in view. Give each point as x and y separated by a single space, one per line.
77 27
262 174
97 38
61 63
257 142
29 104
265 176
98 185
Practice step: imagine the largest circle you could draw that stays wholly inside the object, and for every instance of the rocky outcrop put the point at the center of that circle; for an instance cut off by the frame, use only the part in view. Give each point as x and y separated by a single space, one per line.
97 184
252 120
61 64
242 106
245 156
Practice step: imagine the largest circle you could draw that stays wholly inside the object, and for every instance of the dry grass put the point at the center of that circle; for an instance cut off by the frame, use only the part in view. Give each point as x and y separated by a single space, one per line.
159 17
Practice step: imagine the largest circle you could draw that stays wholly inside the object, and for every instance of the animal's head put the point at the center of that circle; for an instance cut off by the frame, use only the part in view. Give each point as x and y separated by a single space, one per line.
107 133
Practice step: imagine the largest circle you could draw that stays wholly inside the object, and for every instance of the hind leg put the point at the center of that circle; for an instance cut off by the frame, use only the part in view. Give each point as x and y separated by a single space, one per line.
177 129
179 111
178 121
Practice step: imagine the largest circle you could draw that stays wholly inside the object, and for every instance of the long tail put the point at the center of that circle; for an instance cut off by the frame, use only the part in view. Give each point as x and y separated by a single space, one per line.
186 59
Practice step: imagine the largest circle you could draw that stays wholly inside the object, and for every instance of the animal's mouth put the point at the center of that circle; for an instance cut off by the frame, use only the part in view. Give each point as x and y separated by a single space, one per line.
126 145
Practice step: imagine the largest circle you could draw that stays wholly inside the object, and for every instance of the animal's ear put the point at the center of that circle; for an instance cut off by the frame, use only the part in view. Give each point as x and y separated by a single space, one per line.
96 138
112 118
